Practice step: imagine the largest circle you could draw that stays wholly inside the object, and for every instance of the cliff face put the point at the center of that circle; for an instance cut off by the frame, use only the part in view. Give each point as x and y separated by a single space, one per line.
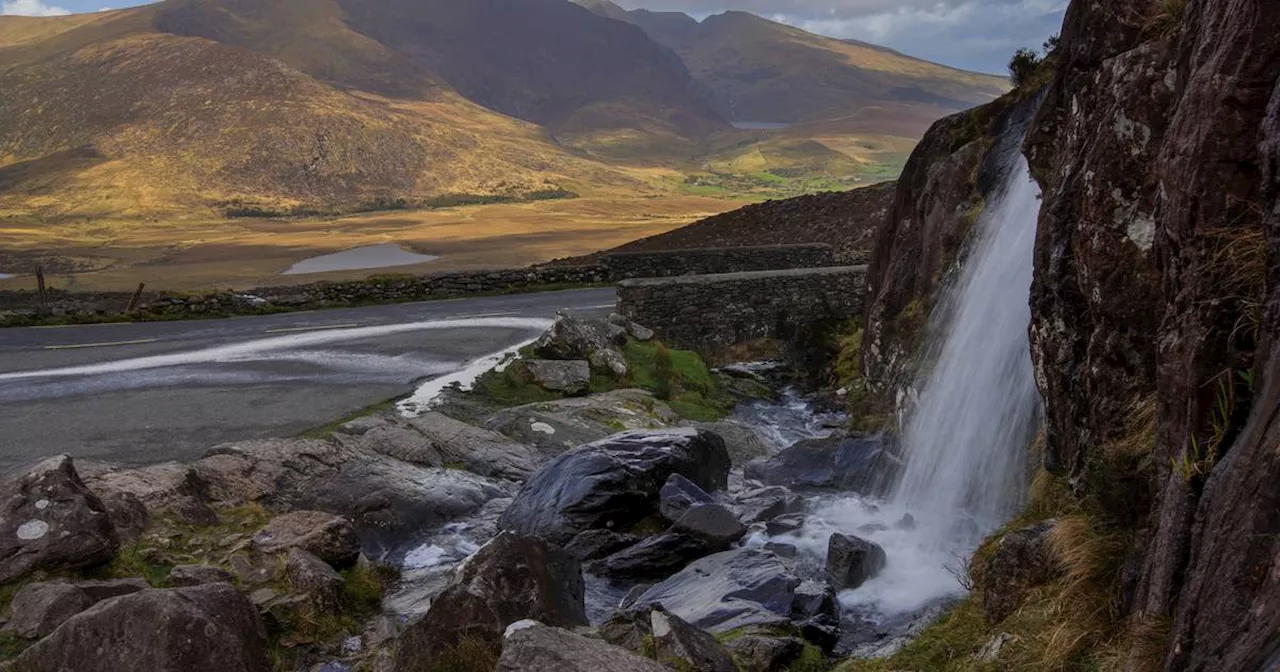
1155 305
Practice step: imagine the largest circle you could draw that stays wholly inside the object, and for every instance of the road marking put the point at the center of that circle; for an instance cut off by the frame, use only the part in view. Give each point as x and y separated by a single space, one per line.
78 346
76 326
603 305
291 330
469 317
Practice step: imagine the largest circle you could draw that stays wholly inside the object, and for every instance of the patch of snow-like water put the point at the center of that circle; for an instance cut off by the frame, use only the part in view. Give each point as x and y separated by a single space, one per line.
428 394
789 419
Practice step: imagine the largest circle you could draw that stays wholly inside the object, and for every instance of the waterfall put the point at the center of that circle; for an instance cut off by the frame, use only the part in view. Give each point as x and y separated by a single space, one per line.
967 438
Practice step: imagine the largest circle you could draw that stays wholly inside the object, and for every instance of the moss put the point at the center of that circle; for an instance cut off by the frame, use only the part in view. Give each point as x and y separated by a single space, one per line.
693 392
810 660
511 387
326 430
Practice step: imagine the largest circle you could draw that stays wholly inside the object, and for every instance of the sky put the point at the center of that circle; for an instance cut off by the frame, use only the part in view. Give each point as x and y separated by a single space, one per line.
971 34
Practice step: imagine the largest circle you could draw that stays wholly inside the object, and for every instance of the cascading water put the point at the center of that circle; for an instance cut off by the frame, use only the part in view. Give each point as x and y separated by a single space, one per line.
966 439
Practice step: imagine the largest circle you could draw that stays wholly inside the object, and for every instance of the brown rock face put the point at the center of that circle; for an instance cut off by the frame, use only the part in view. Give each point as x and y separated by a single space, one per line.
330 538
510 579
50 520
204 629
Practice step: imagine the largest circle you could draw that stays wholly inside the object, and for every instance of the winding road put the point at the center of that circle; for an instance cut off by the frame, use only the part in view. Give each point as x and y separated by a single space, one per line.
154 391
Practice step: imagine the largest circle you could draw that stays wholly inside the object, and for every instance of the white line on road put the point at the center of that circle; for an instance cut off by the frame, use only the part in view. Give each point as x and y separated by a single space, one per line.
602 305
79 346
319 327
479 315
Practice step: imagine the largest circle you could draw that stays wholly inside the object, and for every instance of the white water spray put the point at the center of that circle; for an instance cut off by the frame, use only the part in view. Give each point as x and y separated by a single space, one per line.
967 438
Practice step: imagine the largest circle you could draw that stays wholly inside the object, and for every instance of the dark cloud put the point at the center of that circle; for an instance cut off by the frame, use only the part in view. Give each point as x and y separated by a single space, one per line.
972 34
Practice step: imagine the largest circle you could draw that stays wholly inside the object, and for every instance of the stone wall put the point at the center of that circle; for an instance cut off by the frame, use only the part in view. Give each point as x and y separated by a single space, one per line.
712 312
666 263
16 307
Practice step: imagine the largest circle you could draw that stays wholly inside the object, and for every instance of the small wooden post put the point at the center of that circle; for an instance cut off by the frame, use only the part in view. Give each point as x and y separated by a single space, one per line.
44 301
137 296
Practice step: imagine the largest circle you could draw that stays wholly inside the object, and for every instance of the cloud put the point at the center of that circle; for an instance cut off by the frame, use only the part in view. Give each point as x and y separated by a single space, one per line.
30 8
973 34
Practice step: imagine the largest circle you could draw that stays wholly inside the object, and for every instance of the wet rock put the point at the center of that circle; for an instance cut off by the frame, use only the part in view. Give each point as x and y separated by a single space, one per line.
764 504
556 426
785 523
392 436
105 590
314 577
851 561
906 522
613 483
729 590
39 608
782 550
510 579
538 648
573 339
677 495
1022 560
817 612
49 520
567 377
744 442
330 538
847 464
480 451
713 523
628 628
676 641
202 629
169 488
872 528
633 595
596 544
657 557
758 653
197 575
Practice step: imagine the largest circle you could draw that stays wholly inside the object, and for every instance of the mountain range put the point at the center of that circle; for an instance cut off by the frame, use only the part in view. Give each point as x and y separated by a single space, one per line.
218 107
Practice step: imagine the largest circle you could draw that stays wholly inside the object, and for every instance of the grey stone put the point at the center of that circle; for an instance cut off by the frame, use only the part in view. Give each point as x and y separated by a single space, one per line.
676 640
789 522
596 544
613 483
764 504
847 464
572 338
657 557
481 451
537 648
49 520
782 550
677 495
331 538
310 575
572 377
1022 560
608 360
198 575
851 561
202 629
729 590
712 523
39 608
105 590
169 488
509 579
128 515
556 426
759 653
744 442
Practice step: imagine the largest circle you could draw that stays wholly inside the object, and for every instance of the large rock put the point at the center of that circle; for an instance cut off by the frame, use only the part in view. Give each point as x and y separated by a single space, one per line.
574 339
39 608
757 653
851 561
315 578
744 442
857 464
538 648
765 504
729 590
510 579
477 450
49 520
657 557
613 483
677 495
595 544
203 629
330 538
271 471
556 426
568 377
168 488
1022 560
676 642
713 523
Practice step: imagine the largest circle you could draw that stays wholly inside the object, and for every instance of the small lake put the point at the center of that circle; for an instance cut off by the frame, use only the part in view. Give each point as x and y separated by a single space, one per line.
759 125
5 276
356 258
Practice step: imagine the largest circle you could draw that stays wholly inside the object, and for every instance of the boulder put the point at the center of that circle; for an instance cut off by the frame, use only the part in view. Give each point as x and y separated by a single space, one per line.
764 504
677 495
538 648
39 608
729 590
572 338
201 629
390 435
782 550
1022 559
760 653
572 377
851 561
856 464
713 523
613 483
608 360
509 579
785 523
165 489
596 544
315 578
633 329
480 451
677 643
197 575
817 613
128 515
556 426
330 538
744 442
271 471
105 590
657 557
49 520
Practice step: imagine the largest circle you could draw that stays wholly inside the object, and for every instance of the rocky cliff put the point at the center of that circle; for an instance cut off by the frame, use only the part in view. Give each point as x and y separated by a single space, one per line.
1155 315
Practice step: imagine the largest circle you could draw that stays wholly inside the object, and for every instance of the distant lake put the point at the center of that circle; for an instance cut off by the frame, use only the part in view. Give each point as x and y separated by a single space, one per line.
759 125
369 256
4 276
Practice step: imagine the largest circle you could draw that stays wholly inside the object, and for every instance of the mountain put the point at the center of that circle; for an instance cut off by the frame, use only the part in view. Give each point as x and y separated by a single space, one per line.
758 70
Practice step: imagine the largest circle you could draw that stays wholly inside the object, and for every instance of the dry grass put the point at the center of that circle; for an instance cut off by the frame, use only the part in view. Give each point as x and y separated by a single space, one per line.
1166 17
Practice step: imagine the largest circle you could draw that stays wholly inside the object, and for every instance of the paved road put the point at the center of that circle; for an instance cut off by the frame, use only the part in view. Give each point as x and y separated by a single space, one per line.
148 392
